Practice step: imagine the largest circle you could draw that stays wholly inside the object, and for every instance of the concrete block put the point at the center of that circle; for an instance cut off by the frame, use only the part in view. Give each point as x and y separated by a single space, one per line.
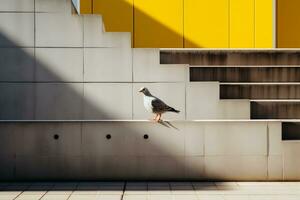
236 167
48 167
275 168
236 139
95 35
147 68
59 64
9 135
170 167
194 167
17 5
194 139
162 140
109 167
108 64
37 139
202 102
275 142
59 30
172 94
12 24
59 101
122 141
17 64
17 101
54 6
107 101
291 161
7 167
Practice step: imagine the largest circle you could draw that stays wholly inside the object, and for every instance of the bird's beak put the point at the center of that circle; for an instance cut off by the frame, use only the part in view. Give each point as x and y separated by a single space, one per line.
140 90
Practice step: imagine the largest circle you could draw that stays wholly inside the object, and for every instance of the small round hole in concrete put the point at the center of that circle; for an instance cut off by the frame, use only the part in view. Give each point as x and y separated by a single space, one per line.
146 136
108 136
56 137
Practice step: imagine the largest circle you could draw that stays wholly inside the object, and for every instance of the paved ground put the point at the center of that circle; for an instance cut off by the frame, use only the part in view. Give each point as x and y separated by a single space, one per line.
151 190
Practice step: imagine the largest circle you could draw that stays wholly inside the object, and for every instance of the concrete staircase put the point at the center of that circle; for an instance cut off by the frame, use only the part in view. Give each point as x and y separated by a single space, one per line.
71 110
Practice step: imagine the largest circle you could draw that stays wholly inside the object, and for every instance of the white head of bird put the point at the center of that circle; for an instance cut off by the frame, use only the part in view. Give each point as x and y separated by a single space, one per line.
145 91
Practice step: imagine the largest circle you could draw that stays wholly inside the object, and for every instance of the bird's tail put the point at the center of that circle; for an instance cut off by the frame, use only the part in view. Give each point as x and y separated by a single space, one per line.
174 110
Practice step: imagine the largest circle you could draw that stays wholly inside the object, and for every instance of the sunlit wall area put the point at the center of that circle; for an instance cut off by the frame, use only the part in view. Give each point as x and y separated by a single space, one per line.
189 23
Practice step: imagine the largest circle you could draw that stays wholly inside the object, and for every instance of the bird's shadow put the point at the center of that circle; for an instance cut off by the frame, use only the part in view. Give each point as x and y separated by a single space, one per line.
167 124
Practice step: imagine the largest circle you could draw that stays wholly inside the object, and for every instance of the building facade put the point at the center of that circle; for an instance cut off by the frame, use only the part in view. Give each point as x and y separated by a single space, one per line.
70 72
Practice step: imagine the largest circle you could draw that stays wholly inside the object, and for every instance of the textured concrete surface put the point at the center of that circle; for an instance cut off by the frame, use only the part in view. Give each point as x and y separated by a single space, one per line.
150 190
144 150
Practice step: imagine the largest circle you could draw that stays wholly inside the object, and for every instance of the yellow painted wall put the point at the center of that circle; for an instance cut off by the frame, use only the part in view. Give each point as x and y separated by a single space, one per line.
241 24
288 23
191 23
117 14
206 23
264 24
85 6
158 23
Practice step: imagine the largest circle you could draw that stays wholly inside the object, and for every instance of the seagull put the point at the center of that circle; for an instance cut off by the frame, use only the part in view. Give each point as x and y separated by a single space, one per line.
155 105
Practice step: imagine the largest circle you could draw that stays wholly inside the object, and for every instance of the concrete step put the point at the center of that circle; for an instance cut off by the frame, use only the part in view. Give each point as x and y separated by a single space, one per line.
245 74
260 91
275 110
229 57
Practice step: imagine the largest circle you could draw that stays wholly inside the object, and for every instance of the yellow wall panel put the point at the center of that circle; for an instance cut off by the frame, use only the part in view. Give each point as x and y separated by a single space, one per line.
263 23
117 14
206 24
85 6
158 23
288 23
241 23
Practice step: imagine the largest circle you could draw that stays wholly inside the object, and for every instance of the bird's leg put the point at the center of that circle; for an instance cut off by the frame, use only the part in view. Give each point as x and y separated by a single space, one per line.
158 118
156 115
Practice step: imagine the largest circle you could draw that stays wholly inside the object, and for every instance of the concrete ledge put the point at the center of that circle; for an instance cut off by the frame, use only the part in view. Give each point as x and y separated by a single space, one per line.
140 150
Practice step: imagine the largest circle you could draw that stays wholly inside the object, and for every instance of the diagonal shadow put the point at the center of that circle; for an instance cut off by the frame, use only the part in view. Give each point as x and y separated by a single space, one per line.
32 154
150 24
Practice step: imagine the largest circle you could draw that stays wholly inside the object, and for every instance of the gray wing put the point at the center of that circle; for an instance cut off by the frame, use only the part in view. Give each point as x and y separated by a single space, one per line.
159 106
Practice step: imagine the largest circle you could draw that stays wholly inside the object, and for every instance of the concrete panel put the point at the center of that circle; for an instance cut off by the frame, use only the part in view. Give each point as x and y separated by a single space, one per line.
161 168
108 64
59 64
203 103
275 168
12 24
236 167
65 30
172 94
17 64
47 167
8 142
122 142
38 139
95 35
194 167
109 167
194 139
17 101
291 161
7 167
107 101
146 68
59 101
236 139
162 140
54 6
275 142
17 5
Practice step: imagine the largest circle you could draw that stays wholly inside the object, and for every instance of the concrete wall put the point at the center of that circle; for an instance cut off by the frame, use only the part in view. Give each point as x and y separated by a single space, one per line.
188 150
64 67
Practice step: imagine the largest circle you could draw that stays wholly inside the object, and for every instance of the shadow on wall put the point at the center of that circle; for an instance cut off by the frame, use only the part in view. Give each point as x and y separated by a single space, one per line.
147 32
29 152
